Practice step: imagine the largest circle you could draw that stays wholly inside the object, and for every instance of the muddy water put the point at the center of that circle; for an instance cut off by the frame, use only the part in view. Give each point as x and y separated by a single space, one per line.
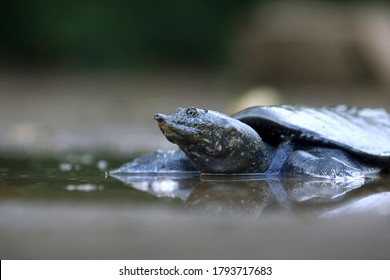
69 207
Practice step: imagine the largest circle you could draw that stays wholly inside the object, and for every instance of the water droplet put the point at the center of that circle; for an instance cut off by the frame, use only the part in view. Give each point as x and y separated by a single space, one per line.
65 166
102 165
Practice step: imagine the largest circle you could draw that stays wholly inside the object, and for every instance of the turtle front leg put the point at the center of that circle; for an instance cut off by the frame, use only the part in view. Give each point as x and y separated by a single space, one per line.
158 162
329 167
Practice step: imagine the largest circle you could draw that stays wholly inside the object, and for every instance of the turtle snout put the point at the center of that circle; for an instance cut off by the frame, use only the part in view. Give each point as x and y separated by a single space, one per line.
159 117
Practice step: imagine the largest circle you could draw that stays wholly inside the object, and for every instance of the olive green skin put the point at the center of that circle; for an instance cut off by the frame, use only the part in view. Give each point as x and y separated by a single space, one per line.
214 142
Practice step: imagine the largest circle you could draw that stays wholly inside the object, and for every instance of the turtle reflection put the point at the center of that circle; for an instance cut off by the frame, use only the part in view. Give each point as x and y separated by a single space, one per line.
256 196
232 198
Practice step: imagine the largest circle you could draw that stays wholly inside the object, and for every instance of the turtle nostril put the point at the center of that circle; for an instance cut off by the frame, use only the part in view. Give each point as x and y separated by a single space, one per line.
159 117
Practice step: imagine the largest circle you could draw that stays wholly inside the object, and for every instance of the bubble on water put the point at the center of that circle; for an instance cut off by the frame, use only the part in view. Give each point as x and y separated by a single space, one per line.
102 165
65 166
84 187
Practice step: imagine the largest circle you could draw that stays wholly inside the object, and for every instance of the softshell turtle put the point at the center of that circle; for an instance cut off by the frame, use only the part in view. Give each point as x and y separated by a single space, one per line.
327 142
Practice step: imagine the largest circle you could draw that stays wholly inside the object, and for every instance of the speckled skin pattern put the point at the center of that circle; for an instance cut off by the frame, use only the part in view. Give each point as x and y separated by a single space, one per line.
214 142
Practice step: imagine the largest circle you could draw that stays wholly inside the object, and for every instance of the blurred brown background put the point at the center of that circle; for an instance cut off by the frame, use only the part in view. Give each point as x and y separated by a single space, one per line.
89 75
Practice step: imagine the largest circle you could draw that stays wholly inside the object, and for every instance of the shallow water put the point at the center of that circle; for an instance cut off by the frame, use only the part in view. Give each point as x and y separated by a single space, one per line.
69 207
74 178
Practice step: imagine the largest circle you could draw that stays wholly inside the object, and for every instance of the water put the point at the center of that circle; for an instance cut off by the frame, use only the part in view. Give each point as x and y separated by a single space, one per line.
69 207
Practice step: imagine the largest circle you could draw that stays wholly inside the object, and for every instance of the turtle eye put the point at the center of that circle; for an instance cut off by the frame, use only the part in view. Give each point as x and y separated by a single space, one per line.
192 112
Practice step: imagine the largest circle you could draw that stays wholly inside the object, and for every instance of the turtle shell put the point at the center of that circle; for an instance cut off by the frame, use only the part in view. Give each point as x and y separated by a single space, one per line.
364 132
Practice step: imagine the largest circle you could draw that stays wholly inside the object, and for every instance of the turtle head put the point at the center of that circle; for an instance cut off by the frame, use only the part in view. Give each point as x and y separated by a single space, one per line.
214 142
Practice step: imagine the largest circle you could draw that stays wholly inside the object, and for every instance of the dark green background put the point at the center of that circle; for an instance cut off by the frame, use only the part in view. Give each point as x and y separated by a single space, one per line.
119 33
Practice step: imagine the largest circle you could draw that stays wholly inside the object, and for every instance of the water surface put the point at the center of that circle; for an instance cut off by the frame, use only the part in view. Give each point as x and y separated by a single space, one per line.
69 207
